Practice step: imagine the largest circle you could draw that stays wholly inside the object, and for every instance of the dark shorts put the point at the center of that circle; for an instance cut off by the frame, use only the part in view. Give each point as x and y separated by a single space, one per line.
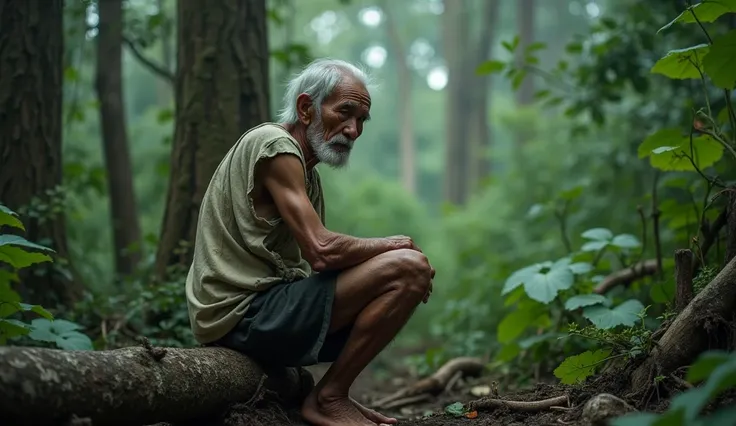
287 325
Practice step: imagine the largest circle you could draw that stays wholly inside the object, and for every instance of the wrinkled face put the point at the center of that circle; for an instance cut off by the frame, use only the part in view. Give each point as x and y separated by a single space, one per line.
339 122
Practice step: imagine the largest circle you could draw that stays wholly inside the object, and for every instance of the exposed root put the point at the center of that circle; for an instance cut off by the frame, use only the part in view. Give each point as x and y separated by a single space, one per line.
403 402
437 382
523 406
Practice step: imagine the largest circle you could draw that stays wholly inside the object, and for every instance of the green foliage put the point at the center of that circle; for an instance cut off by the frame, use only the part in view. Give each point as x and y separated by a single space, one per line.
717 371
17 253
577 368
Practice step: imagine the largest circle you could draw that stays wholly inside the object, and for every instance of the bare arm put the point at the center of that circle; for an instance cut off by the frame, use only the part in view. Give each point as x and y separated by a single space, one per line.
283 177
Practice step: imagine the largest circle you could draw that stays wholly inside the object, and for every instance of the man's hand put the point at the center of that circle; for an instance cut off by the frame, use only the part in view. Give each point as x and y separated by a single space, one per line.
404 242
429 289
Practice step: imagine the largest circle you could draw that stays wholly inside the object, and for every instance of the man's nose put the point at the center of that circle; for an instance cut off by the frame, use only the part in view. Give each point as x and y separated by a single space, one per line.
351 130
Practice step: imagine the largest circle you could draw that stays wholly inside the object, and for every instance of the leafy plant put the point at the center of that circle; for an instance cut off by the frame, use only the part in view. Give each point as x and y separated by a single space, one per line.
17 253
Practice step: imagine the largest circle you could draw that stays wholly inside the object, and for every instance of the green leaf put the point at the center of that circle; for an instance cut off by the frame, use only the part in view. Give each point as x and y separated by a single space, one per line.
625 241
456 409
720 63
513 324
594 245
16 240
490 67
542 281
723 416
10 218
9 300
705 11
36 309
583 300
580 268
681 64
598 234
662 292
19 258
61 332
10 328
706 363
625 314
667 150
577 368
636 419
508 352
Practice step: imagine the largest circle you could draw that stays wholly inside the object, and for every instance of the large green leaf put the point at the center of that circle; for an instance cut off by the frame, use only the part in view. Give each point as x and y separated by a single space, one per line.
16 240
583 300
625 241
513 324
19 258
9 218
681 64
490 67
706 363
61 332
705 11
598 234
9 300
577 368
668 149
720 63
10 328
603 317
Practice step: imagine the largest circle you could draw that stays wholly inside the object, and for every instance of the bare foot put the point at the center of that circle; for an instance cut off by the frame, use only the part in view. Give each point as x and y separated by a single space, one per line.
373 415
326 411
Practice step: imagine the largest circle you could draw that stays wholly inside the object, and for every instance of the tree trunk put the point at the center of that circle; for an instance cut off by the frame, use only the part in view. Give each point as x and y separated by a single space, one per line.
480 133
221 91
454 45
700 326
406 119
731 227
164 87
525 15
31 55
134 386
109 85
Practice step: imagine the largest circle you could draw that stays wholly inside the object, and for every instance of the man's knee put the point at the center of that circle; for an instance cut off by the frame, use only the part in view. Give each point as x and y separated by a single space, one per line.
409 271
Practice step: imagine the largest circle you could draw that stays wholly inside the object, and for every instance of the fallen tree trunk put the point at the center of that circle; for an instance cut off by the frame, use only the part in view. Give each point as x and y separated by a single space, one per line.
703 324
628 275
133 386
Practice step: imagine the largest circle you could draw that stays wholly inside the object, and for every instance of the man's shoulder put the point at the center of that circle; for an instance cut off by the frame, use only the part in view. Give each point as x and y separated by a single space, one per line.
268 136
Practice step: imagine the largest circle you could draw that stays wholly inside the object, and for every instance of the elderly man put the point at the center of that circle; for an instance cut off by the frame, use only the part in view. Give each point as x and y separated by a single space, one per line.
270 280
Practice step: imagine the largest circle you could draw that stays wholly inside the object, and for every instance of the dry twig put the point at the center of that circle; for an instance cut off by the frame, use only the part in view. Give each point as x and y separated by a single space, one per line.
525 406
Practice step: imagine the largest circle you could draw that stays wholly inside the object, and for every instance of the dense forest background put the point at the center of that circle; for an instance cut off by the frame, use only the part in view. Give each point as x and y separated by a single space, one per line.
505 134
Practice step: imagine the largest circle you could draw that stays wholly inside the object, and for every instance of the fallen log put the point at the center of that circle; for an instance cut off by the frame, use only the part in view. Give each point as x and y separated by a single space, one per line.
134 385
707 317
627 275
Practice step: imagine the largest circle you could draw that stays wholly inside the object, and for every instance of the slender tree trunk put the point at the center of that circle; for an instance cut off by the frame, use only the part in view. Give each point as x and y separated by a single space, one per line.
221 91
454 44
480 92
525 14
31 56
109 85
164 87
406 120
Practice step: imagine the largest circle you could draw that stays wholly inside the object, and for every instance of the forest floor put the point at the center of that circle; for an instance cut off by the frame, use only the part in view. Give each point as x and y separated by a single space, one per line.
369 387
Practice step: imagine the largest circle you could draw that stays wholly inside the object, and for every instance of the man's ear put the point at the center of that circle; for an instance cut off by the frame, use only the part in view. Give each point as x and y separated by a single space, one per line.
304 108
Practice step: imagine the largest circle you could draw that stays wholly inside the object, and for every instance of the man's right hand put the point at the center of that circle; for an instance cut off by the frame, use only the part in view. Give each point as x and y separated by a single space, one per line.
404 242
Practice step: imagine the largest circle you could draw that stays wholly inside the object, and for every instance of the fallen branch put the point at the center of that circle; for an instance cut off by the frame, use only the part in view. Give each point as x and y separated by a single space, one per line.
403 402
133 385
437 382
694 330
627 276
524 406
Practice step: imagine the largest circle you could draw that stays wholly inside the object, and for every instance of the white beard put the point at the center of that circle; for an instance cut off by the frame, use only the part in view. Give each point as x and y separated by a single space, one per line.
325 150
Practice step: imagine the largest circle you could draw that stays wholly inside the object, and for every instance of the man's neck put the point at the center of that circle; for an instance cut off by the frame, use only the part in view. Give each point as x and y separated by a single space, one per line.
299 133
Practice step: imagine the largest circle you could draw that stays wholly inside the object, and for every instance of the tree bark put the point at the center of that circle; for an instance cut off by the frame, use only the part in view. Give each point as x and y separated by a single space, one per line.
455 36
31 56
406 119
731 227
134 386
109 86
696 329
525 13
221 91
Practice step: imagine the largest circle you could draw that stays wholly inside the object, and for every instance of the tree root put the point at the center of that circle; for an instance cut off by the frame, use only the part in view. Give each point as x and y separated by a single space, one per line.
523 406
438 382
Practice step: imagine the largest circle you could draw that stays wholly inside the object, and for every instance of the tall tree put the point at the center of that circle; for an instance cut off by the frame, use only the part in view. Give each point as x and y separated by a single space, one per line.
31 56
221 91
525 15
406 120
109 85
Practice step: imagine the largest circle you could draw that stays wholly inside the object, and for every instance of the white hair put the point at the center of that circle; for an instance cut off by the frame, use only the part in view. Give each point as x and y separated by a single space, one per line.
318 80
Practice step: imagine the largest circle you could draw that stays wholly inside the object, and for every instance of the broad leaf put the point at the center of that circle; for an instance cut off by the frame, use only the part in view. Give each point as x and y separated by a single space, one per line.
16 240
668 149
9 218
598 234
626 241
594 245
36 309
61 332
720 63
19 258
10 328
580 268
706 363
490 67
577 368
625 314
513 324
9 300
681 64
542 281
705 11
583 300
